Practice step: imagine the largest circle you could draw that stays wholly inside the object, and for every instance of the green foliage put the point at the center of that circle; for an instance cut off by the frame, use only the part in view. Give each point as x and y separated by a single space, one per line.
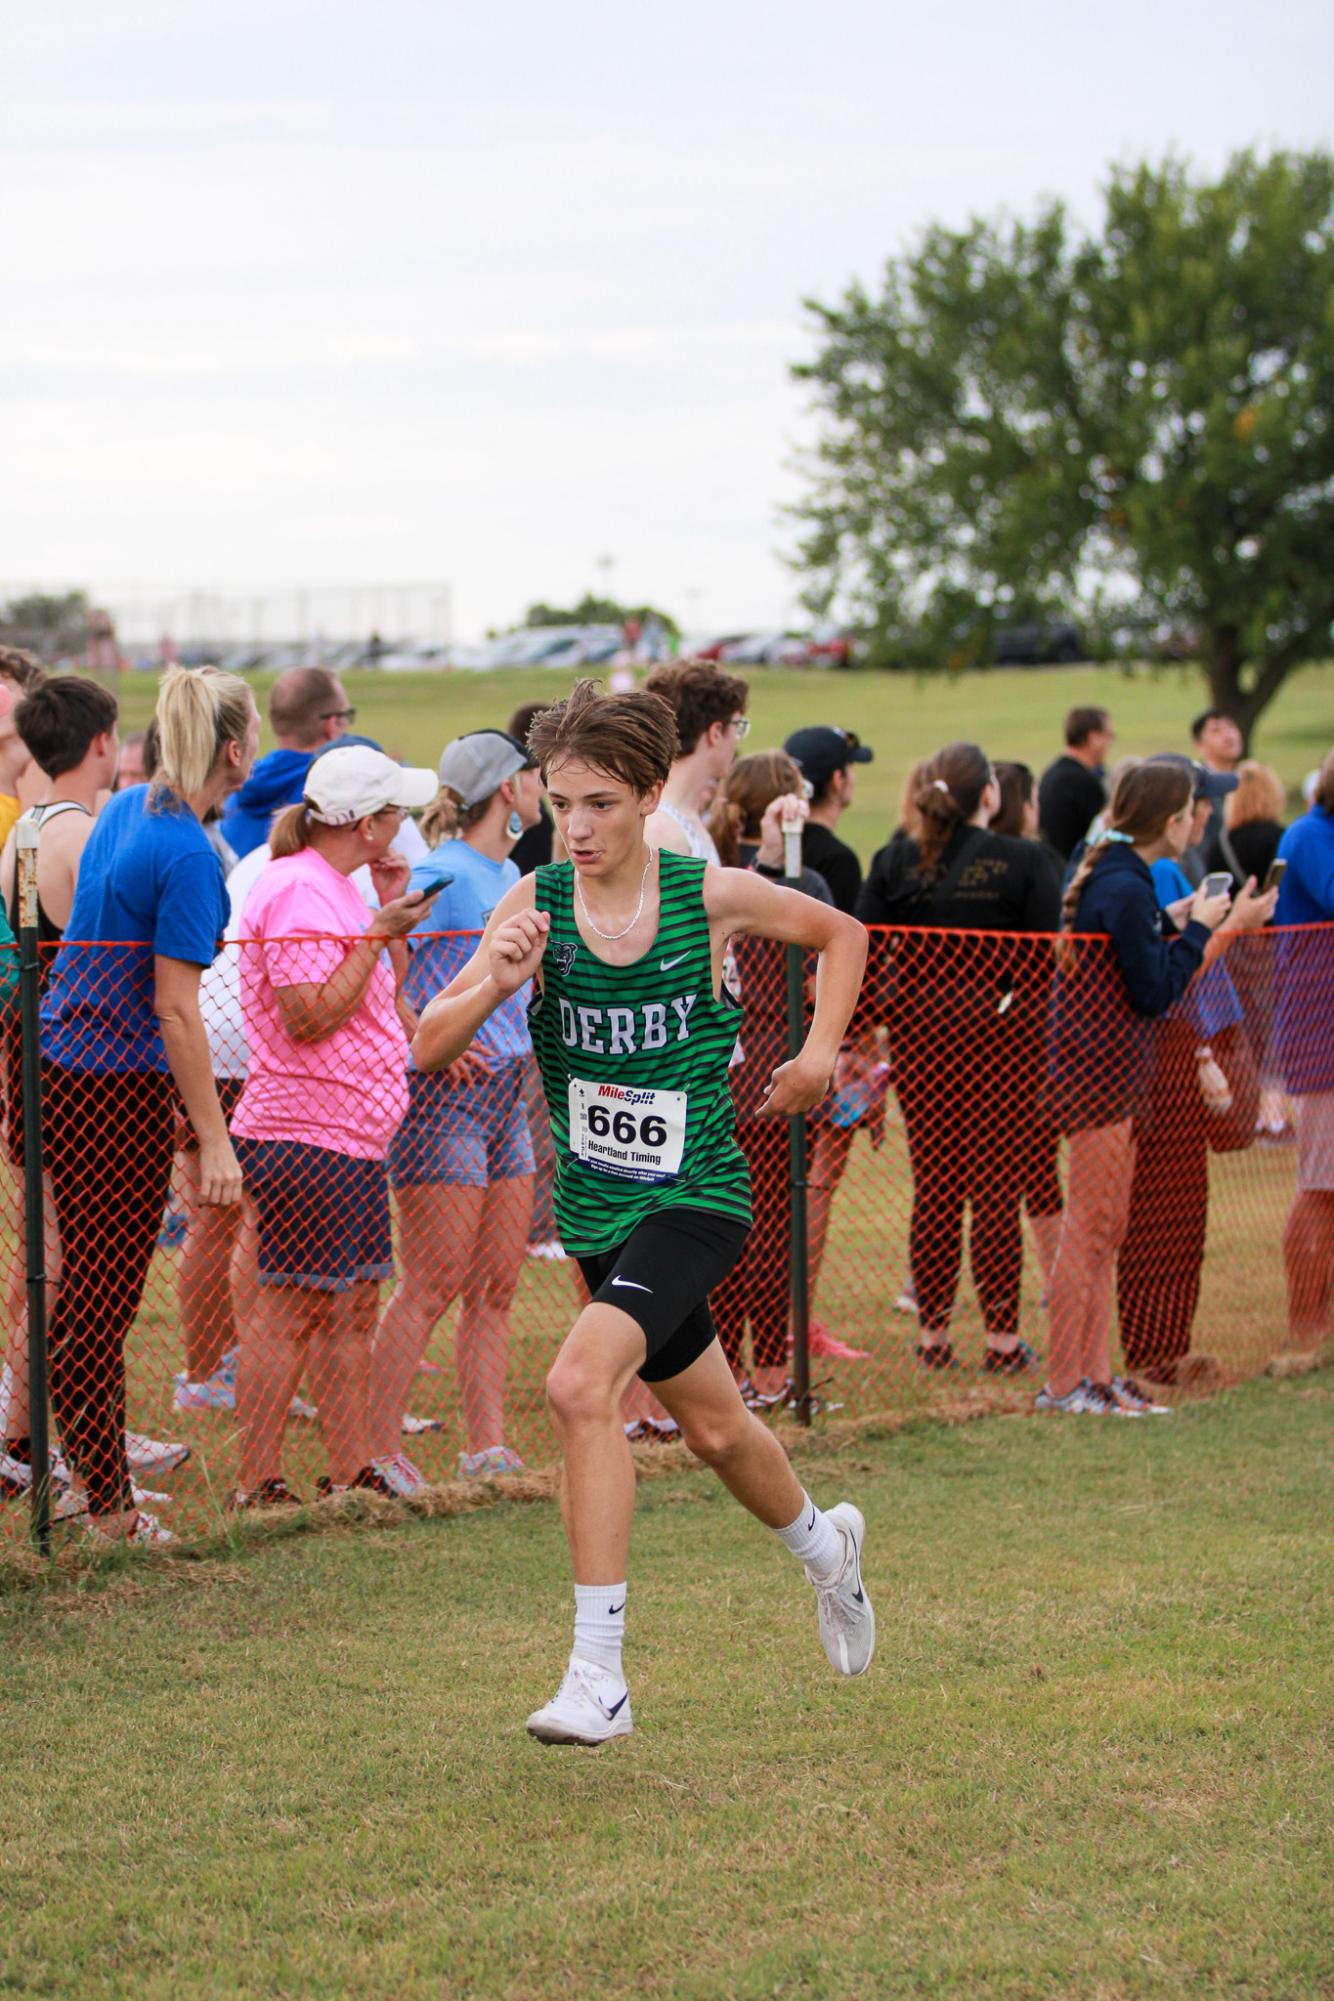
592 610
1022 420
46 622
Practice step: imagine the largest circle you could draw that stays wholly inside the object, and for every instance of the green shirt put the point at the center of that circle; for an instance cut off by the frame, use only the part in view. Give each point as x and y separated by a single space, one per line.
634 1062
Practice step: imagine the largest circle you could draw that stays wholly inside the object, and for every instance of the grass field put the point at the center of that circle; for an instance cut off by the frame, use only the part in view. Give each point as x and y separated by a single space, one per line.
1090 1760
1011 713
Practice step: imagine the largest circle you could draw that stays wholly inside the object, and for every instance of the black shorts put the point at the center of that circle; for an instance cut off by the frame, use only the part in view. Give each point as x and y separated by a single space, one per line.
662 1276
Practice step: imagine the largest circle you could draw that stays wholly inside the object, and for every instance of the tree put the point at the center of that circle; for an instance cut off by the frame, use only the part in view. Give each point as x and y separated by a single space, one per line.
1024 420
592 610
46 622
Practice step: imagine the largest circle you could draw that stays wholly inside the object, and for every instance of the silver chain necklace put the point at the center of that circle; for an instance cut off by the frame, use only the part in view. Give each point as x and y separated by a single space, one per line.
611 937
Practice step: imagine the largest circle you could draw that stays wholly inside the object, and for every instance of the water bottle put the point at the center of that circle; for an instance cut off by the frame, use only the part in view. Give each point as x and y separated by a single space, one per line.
859 1096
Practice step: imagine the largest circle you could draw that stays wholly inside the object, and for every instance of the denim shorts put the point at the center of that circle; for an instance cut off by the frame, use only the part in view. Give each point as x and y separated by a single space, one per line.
465 1138
323 1217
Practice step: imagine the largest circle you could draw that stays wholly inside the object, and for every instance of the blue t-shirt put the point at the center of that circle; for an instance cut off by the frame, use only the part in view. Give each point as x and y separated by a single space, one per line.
149 885
1211 1001
464 905
1307 895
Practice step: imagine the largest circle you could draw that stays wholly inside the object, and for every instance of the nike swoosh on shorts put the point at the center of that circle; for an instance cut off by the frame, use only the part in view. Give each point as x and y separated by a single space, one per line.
618 1280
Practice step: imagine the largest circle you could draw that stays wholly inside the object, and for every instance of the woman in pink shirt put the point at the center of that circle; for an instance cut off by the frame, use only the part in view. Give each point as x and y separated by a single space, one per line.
326 1089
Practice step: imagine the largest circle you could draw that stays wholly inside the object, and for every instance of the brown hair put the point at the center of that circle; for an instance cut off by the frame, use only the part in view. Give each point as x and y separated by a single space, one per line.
1259 795
24 669
1147 796
1323 796
753 783
58 719
910 820
299 701
291 831
701 694
949 794
523 719
632 737
1080 725
1016 792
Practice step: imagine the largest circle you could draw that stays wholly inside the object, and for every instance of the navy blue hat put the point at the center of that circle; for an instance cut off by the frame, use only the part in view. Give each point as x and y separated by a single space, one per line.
822 751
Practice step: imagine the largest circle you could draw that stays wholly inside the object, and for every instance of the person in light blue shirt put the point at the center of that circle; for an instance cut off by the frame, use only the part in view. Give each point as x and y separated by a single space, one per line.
462 1161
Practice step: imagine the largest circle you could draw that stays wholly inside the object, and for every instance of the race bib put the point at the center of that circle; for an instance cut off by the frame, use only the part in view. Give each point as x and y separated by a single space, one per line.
635 1135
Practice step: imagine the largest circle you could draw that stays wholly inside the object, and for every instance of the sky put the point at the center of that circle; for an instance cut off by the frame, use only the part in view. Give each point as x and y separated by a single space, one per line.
504 298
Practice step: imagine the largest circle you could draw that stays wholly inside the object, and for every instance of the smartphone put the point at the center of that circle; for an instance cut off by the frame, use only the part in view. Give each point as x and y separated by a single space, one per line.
1218 884
433 887
1277 871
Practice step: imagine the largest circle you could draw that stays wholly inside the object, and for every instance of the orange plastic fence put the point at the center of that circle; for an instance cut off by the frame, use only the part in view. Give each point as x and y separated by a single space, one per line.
1009 1160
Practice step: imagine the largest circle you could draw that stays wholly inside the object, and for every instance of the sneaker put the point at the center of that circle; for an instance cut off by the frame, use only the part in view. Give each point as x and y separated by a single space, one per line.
1074 1404
591 1706
400 1476
273 1493
425 1368
1102 1399
147 1533
653 1431
847 1623
413 1427
488 1465
369 1480
907 1299
300 1408
215 1393
935 1354
151 1455
552 1248
822 1342
1131 1396
1010 1361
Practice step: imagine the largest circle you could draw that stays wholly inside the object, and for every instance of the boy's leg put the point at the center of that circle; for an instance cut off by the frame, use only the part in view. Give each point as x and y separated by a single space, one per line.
584 1389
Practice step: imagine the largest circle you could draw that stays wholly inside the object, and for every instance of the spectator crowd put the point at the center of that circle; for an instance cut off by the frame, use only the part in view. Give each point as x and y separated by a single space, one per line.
1081 986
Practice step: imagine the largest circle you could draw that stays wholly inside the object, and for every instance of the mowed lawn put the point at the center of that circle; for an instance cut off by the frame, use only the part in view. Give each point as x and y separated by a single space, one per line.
1012 713
1091 1758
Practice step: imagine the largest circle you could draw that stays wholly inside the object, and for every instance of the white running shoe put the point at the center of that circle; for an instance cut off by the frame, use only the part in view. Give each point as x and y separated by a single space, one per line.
400 1476
413 1427
847 1623
300 1408
152 1455
147 1533
490 1464
1133 1396
591 1706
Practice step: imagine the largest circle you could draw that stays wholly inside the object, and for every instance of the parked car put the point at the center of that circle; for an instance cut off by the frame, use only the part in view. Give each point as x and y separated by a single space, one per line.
1038 643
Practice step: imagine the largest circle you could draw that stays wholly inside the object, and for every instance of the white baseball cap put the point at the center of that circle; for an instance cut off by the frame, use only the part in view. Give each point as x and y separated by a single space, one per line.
349 783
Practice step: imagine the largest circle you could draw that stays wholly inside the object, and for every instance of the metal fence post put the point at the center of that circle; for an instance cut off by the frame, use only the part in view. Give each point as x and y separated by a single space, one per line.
34 1210
796 1035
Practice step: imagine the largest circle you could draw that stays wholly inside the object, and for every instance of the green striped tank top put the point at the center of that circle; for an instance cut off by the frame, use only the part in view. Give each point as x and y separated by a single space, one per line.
634 1063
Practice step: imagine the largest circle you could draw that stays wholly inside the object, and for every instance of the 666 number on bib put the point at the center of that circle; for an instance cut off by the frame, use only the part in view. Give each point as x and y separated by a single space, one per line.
636 1135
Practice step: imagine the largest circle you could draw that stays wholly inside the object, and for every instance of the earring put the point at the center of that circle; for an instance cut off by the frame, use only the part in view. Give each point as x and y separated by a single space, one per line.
514 825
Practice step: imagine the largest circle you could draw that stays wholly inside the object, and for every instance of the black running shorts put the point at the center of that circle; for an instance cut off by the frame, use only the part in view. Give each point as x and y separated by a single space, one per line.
662 1276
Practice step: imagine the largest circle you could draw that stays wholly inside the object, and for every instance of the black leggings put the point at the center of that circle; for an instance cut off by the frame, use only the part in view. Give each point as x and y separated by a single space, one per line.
108 1146
966 1154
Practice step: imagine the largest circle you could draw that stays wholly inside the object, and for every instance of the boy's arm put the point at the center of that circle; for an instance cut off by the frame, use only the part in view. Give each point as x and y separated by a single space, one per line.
509 952
739 902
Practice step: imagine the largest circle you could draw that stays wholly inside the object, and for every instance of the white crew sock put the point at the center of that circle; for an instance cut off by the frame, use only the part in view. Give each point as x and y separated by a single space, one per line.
599 1624
815 1541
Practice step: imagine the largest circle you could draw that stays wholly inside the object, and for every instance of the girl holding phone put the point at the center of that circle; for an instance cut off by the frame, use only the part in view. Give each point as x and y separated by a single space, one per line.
1106 996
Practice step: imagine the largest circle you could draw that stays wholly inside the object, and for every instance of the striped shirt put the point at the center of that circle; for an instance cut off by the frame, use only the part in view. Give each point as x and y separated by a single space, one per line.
634 1063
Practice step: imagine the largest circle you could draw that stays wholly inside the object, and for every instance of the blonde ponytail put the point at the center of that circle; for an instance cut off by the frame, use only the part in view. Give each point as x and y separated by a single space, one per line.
199 710
447 817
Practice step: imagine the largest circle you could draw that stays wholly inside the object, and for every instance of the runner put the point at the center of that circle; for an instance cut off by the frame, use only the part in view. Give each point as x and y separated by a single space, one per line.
633 1035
